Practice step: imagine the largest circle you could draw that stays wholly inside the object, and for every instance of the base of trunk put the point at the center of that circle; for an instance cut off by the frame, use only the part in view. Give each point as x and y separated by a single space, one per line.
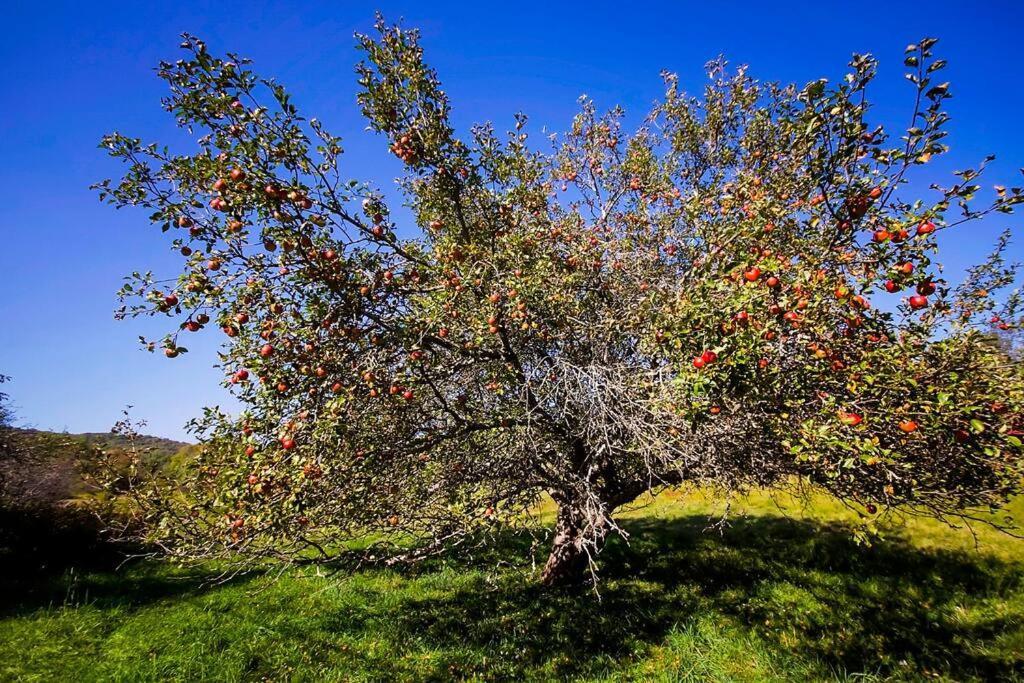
572 548
566 566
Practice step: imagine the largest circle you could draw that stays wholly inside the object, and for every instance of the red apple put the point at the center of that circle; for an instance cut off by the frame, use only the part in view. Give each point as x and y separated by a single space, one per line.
850 419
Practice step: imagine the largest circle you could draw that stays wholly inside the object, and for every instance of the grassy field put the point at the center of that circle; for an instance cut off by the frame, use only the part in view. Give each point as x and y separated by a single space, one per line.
784 593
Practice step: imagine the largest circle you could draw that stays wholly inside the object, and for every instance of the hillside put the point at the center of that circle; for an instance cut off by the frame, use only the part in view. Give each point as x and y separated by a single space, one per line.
111 441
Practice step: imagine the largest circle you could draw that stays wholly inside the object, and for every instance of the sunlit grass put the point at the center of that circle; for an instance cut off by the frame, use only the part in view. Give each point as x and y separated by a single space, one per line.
783 593
922 532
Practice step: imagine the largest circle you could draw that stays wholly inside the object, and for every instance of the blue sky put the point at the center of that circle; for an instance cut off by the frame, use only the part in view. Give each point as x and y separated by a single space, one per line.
73 71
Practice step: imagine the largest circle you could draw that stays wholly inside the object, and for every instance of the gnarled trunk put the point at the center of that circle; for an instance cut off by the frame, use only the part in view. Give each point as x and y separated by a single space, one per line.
576 540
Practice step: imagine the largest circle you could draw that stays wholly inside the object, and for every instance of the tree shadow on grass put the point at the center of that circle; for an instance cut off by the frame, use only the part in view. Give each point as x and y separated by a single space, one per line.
805 591
130 586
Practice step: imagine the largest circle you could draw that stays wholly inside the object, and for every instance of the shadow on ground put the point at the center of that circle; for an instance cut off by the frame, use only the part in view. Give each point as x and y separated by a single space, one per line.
104 581
803 589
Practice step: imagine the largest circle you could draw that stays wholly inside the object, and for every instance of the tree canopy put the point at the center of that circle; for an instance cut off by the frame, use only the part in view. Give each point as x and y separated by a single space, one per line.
739 293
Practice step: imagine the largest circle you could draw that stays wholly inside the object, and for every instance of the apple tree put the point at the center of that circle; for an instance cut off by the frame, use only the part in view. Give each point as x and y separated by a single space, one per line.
742 292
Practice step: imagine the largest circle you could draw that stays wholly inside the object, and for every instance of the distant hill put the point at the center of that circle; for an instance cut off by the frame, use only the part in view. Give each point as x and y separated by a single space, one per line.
54 455
156 445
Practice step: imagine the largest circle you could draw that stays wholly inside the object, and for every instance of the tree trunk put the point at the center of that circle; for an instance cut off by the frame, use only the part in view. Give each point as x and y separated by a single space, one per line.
569 559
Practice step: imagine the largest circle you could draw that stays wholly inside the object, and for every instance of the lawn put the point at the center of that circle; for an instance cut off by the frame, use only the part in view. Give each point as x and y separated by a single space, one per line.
783 593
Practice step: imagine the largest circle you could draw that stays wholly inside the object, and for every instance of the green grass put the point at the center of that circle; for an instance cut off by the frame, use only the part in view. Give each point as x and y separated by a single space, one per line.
782 594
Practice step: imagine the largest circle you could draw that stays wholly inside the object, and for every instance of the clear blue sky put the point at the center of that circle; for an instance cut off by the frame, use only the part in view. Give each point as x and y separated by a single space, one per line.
72 71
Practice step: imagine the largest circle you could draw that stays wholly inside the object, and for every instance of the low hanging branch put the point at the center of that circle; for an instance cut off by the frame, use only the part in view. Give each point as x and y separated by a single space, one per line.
737 294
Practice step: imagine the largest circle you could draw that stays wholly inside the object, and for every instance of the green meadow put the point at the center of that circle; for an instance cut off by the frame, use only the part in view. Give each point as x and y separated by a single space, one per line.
782 593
